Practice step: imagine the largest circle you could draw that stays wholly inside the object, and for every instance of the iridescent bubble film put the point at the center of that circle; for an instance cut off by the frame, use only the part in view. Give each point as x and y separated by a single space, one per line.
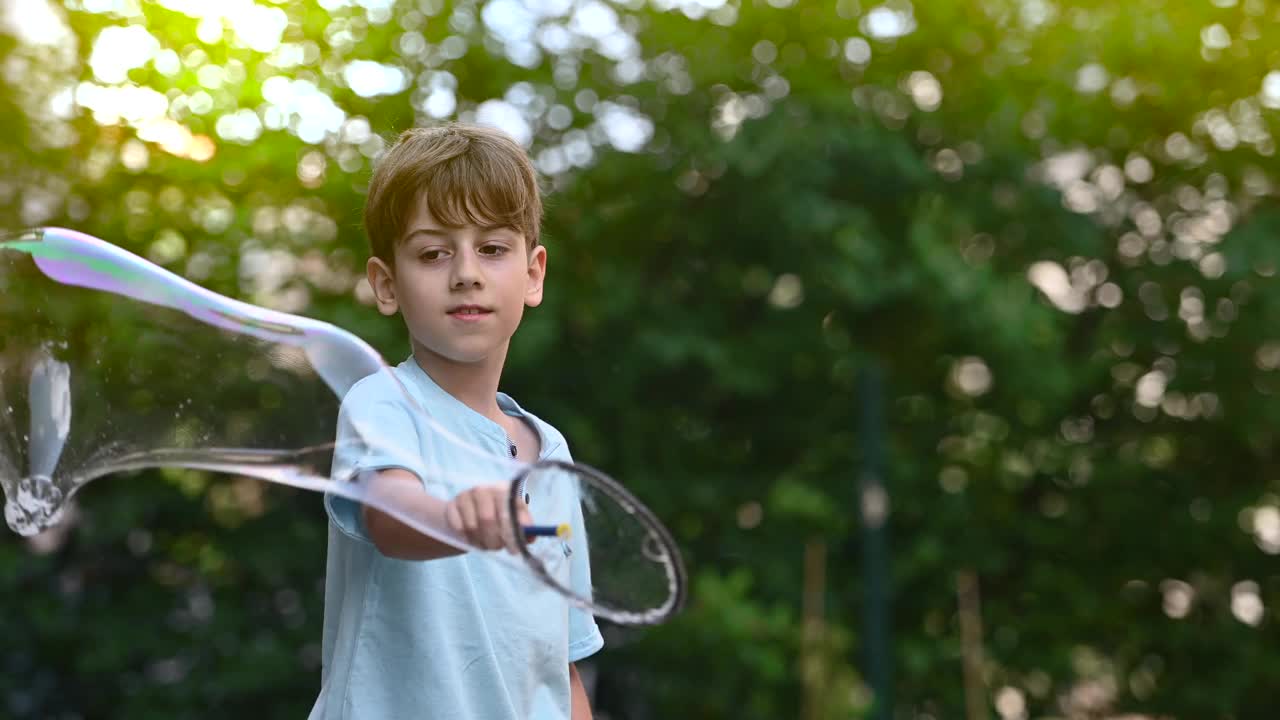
110 364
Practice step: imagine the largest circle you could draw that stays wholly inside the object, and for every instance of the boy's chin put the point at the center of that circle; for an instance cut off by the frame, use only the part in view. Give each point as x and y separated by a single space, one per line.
458 355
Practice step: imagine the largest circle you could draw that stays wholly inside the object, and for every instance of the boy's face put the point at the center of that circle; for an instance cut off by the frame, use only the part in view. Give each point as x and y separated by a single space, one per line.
462 291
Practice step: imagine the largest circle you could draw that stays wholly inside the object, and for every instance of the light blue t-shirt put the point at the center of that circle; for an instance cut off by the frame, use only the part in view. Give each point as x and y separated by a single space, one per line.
458 638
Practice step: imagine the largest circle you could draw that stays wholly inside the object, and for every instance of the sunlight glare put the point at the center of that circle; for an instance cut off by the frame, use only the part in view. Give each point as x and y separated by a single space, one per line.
316 114
1052 280
506 117
1266 529
1178 598
368 78
1246 602
255 26
626 129
1271 90
36 24
889 21
117 50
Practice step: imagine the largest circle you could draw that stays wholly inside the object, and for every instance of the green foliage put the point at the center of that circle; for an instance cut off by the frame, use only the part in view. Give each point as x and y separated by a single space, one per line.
1054 225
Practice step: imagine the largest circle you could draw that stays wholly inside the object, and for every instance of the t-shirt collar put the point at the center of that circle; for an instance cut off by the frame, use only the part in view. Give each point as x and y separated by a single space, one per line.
473 419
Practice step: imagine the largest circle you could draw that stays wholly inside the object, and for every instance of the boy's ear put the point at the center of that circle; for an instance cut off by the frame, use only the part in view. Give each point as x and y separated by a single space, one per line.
382 280
537 273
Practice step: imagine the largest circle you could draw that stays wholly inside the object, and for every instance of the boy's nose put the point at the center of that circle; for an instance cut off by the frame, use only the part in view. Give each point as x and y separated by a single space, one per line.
466 272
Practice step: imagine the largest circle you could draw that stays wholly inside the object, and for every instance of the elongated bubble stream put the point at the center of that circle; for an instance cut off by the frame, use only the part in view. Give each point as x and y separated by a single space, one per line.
110 364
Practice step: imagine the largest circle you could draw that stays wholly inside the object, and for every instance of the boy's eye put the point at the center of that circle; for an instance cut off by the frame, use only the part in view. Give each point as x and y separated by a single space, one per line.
493 250
430 255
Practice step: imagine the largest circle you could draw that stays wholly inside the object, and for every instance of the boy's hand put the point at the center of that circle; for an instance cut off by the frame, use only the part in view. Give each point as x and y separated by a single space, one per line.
480 515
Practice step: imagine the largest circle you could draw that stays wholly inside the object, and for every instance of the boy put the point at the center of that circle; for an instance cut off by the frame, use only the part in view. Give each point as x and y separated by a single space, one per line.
415 627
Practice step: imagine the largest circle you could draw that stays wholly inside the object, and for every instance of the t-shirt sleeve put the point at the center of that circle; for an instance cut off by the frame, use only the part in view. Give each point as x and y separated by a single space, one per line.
375 432
584 635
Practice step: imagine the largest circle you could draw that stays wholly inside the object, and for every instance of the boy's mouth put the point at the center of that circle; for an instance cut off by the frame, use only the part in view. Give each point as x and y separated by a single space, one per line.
468 311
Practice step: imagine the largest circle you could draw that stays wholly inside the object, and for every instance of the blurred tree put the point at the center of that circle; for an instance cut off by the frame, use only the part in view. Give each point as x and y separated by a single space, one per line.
1053 224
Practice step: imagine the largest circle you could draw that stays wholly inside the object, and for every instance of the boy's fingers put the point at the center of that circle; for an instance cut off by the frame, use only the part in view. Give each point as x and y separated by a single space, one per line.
481 515
492 517
508 534
486 509
454 518
466 504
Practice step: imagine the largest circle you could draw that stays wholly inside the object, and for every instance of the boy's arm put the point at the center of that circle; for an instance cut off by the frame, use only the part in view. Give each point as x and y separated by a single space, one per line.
476 516
581 706
402 489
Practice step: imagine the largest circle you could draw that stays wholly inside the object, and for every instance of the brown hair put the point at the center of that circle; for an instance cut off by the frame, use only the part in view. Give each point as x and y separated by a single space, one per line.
467 175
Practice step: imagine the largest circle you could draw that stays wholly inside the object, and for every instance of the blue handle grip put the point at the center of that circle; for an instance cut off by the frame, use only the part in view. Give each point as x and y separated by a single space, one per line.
561 530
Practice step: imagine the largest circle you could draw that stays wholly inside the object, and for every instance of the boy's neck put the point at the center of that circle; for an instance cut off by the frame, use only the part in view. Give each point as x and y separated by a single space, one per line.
473 384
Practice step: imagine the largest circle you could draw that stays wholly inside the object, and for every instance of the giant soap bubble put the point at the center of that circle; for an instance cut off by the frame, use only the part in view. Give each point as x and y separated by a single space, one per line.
110 364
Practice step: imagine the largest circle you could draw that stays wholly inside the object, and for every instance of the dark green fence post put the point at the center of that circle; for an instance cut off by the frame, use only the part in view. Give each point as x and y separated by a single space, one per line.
874 498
